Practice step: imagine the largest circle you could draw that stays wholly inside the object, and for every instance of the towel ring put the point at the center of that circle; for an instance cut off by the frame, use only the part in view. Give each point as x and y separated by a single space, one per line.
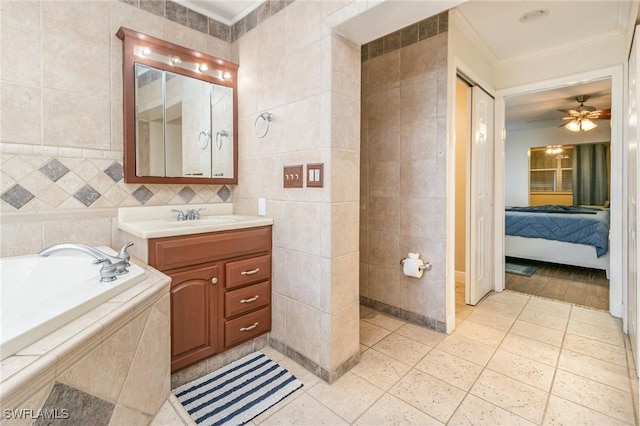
203 144
267 117
219 135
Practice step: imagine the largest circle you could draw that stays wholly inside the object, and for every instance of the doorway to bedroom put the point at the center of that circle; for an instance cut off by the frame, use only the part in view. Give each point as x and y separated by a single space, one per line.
557 193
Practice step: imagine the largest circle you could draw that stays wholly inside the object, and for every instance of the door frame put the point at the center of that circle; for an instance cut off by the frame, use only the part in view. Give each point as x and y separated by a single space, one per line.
617 249
457 69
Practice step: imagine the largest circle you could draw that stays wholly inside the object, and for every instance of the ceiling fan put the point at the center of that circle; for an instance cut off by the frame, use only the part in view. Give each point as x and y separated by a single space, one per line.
581 118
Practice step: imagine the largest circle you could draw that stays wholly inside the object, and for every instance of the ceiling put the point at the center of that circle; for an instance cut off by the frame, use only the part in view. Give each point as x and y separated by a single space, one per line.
225 11
567 23
497 24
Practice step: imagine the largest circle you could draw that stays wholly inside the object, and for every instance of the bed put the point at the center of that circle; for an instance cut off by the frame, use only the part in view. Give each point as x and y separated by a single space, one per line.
568 235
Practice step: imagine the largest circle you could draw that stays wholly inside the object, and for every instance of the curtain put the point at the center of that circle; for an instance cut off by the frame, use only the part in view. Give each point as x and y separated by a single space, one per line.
590 185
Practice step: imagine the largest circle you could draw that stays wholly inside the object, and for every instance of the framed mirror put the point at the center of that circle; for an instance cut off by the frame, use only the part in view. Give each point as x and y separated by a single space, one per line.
180 114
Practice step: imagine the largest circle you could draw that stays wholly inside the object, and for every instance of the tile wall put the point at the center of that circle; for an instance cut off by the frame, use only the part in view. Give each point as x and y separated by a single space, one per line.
61 128
293 66
402 164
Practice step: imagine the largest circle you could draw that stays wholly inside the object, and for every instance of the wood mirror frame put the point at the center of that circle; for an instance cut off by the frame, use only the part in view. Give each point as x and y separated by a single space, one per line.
219 72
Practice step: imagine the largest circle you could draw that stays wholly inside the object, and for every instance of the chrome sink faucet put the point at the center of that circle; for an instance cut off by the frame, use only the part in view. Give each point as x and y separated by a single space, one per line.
191 214
112 266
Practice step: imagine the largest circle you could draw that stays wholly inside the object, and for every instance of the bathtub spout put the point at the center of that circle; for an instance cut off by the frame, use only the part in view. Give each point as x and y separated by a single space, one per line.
112 265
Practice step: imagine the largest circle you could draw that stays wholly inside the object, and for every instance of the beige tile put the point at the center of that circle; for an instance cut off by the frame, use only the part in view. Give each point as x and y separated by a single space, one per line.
481 333
597 396
595 332
402 348
384 214
601 371
307 378
467 349
522 369
509 297
20 238
371 334
383 284
501 306
598 350
595 317
518 398
384 72
123 416
344 339
385 321
13 364
537 351
558 309
279 406
428 394
364 311
537 333
489 319
303 329
167 416
450 368
349 396
544 319
416 100
421 334
475 412
143 385
304 410
21 120
99 372
563 412
390 410
380 369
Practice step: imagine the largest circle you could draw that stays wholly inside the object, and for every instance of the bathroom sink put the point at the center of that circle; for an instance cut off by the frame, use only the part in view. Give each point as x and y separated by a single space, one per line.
203 221
155 222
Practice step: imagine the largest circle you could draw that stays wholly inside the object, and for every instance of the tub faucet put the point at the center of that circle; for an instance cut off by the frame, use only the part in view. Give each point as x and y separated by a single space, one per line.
111 265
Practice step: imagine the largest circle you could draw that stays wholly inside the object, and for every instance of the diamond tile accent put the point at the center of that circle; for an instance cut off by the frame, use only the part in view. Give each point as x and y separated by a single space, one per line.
54 170
87 195
17 196
114 171
224 193
142 194
187 194
82 408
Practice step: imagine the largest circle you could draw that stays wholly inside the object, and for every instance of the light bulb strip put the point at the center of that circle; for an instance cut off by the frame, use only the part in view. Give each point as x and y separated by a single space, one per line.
173 60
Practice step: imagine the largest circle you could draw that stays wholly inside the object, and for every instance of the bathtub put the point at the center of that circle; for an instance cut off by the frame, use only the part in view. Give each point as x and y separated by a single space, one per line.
41 294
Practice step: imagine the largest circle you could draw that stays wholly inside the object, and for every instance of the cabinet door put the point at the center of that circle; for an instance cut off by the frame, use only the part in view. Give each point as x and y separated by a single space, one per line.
195 315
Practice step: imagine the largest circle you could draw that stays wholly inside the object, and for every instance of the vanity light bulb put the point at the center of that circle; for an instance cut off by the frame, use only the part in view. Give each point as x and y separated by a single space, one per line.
146 51
175 60
202 67
226 75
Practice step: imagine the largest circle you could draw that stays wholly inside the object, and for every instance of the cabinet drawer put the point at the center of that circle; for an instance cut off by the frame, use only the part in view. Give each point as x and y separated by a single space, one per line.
176 252
246 299
247 326
248 271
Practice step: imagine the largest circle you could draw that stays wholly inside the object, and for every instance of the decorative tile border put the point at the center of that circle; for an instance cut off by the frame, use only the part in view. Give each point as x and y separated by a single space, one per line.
406 36
409 316
34 182
182 15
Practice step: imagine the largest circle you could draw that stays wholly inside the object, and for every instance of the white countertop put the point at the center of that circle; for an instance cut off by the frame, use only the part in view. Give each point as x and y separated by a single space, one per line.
159 221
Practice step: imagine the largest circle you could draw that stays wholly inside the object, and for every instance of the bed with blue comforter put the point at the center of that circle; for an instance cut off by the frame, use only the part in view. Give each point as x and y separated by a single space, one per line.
579 225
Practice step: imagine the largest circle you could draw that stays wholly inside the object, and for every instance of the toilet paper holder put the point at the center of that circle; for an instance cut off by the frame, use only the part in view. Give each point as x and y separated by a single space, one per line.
426 266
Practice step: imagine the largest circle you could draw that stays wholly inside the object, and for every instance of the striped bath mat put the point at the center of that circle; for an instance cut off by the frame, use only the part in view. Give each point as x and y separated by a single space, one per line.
238 392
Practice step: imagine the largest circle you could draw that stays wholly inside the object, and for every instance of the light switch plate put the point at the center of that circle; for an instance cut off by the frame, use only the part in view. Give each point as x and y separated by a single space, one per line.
293 176
315 175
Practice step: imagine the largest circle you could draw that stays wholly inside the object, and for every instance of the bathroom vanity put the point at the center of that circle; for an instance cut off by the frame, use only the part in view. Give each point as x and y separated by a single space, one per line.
220 269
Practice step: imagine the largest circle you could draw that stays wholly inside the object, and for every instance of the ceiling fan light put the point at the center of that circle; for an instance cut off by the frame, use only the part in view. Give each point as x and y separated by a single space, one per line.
588 125
573 126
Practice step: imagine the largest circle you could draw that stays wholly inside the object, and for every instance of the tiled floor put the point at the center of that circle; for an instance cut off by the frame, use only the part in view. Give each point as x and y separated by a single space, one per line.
582 286
513 360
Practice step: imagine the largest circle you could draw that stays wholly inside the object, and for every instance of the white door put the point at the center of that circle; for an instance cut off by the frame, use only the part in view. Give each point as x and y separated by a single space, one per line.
481 255
632 214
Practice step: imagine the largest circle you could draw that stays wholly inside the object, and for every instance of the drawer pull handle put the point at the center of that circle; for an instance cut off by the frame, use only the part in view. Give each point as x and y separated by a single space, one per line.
251 327
251 299
214 280
251 272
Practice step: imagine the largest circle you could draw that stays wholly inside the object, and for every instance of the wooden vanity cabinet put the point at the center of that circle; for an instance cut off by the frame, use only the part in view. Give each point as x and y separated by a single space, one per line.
220 290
